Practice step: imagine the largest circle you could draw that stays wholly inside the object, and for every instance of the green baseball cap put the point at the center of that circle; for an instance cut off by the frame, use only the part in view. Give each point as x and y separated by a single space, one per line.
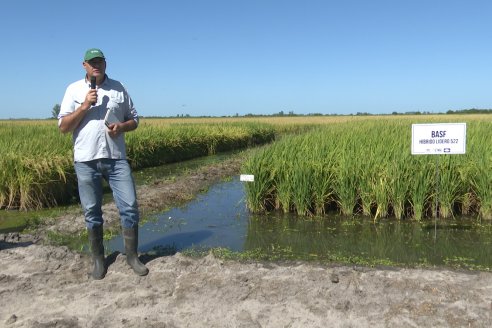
93 53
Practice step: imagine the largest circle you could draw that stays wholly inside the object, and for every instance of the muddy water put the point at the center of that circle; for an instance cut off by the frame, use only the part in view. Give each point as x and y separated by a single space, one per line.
219 218
216 219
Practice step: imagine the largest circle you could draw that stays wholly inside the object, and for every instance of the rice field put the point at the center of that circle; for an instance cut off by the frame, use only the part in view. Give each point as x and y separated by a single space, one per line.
350 164
365 167
36 160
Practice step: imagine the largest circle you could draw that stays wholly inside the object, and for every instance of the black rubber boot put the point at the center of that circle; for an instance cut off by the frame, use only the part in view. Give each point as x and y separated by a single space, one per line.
130 235
97 249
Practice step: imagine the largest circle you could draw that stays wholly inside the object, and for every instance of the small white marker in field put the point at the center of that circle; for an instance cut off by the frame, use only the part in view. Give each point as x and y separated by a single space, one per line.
247 177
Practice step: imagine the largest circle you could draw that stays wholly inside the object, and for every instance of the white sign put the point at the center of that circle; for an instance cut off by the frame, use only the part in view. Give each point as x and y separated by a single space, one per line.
247 177
438 138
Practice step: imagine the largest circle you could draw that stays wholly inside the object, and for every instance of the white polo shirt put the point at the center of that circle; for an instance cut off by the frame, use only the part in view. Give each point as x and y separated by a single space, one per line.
91 139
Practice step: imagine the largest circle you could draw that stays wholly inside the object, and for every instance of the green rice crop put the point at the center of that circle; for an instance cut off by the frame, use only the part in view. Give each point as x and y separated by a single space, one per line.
367 168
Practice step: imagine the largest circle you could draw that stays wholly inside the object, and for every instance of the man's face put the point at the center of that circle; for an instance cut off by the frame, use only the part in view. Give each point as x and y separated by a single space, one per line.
95 67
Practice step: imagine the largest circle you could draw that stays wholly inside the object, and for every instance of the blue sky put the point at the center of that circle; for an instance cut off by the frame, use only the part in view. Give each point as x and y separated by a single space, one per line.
222 58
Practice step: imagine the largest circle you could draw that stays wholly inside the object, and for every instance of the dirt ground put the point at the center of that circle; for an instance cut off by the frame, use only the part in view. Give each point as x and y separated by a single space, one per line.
49 286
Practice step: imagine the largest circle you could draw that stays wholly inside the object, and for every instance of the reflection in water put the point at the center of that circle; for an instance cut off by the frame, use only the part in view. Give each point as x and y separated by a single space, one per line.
396 241
216 219
219 219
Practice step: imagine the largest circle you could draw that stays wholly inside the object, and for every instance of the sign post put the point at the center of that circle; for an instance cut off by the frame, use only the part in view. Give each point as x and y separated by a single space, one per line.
438 139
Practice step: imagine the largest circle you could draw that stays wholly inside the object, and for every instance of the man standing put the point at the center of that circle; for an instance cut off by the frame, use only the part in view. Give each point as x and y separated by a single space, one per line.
100 152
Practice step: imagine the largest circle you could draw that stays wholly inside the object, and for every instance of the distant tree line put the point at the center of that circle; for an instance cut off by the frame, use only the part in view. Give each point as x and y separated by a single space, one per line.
56 110
470 111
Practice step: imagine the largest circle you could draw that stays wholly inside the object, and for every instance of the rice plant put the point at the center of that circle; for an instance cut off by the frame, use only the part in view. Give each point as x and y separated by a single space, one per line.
366 167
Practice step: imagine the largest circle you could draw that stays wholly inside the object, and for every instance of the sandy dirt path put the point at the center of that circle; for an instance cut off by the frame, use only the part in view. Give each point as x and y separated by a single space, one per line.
48 286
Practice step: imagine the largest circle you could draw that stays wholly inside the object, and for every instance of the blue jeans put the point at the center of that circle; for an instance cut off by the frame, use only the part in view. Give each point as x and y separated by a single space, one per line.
118 174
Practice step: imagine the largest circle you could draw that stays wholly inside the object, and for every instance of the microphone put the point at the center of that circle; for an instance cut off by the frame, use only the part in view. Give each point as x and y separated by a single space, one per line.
93 86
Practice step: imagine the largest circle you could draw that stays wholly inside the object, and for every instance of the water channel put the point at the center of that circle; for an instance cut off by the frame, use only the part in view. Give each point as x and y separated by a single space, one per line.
219 218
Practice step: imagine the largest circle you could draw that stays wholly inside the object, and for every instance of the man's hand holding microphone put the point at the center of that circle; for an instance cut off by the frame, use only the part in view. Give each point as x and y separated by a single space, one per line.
91 96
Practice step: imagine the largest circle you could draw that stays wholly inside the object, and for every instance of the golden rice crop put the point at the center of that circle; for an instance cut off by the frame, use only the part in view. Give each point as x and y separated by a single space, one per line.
36 160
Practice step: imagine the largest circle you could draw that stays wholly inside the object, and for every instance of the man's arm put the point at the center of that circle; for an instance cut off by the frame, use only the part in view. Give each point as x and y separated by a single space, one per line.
69 122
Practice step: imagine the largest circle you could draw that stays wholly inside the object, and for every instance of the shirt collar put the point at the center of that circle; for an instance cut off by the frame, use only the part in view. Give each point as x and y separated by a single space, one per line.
104 81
